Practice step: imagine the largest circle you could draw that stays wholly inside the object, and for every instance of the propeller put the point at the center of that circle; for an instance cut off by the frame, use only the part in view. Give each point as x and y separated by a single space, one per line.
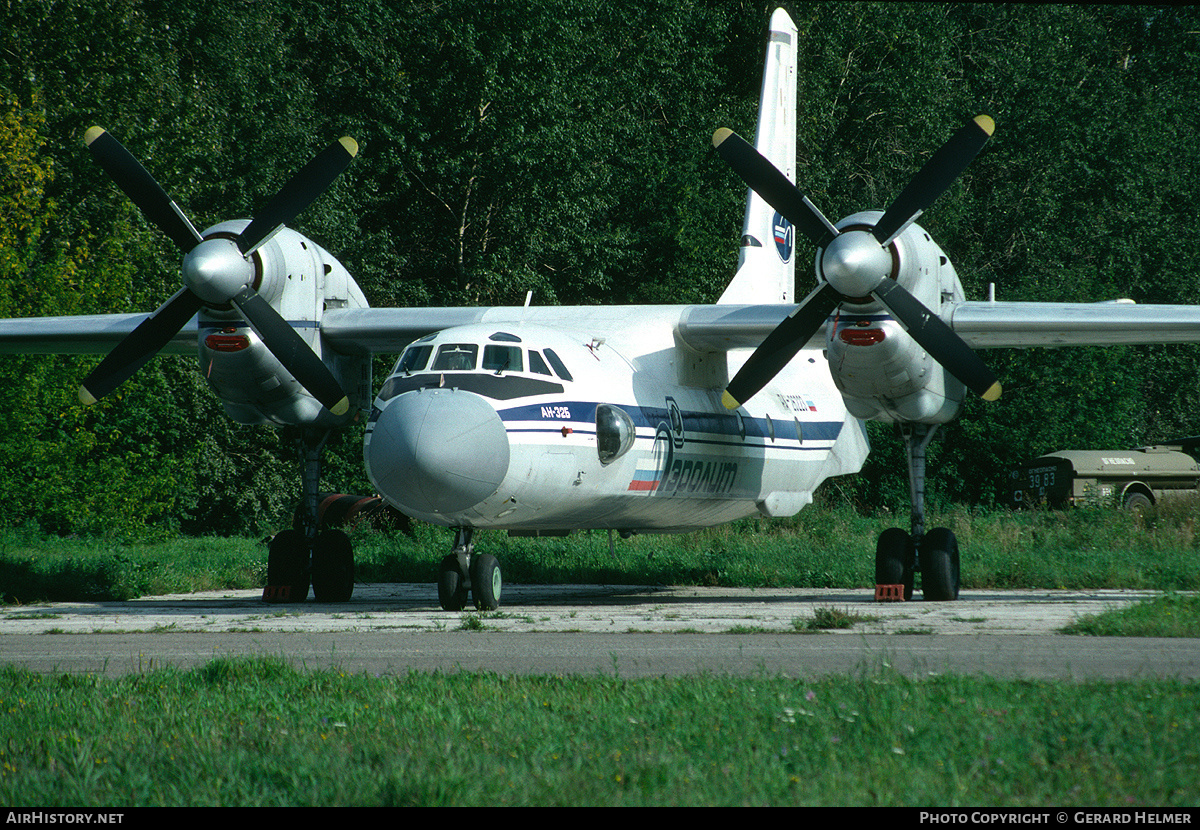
216 271
856 263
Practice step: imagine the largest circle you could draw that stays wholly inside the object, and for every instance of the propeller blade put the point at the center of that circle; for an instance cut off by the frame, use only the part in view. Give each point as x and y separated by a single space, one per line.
765 179
937 338
306 185
291 350
141 188
141 344
931 181
781 346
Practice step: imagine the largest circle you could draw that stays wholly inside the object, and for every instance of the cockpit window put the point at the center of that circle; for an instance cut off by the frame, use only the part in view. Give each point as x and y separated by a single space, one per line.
415 358
558 365
454 357
537 364
500 359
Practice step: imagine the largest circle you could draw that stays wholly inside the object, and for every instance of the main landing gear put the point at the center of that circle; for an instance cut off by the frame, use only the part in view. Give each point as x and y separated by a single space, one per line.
465 572
309 554
900 555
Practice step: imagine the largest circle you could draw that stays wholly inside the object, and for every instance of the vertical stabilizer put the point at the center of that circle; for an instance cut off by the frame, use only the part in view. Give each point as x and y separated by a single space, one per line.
767 258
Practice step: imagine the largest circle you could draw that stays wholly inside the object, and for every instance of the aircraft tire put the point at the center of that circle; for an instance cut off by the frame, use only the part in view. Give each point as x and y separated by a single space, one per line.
332 567
452 584
485 582
894 560
287 568
940 576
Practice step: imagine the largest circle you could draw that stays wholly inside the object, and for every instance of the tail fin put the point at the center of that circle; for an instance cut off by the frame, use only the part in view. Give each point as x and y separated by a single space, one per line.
766 261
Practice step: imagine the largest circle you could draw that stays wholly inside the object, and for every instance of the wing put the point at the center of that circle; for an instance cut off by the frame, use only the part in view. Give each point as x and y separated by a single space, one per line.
982 325
707 328
991 325
83 334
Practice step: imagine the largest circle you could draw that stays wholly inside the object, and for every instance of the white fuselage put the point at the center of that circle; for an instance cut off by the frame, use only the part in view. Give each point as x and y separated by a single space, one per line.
617 428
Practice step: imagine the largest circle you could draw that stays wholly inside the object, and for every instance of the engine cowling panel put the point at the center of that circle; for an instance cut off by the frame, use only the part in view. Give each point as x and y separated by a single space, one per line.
301 280
882 373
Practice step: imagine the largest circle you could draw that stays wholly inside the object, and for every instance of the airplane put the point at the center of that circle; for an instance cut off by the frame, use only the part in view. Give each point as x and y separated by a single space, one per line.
632 419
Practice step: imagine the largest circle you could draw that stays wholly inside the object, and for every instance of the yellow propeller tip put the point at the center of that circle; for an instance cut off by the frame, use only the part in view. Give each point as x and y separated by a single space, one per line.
85 397
729 401
341 407
720 135
350 144
993 392
985 123
91 135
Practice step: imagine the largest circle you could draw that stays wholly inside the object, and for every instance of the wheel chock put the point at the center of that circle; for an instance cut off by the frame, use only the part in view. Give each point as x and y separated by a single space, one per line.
277 593
889 593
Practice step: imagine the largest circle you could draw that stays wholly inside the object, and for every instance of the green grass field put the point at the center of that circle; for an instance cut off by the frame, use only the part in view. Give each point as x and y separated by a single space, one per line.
258 733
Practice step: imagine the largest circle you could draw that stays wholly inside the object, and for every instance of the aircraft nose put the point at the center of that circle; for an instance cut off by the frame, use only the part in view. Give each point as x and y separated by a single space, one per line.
438 451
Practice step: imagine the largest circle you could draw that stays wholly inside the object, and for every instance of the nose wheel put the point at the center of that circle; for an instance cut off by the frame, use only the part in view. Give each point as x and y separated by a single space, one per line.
465 574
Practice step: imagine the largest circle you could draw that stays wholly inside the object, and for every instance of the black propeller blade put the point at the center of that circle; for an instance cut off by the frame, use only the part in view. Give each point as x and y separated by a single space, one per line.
765 179
931 181
781 346
935 337
141 188
216 276
306 185
141 344
291 350
856 263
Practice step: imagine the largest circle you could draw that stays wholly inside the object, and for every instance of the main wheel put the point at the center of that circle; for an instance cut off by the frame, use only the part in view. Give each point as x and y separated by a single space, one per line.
332 567
894 560
452 584
287 568
485 581
939 565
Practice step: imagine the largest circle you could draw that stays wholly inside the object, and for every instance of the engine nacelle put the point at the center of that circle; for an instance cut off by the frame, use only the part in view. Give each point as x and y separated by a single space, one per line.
882 373
301 280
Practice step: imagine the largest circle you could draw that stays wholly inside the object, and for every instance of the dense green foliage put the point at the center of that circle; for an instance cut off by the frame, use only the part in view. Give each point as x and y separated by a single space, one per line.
563 147
262 733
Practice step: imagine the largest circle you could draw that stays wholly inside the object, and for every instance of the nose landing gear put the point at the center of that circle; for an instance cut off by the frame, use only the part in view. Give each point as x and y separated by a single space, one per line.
464 572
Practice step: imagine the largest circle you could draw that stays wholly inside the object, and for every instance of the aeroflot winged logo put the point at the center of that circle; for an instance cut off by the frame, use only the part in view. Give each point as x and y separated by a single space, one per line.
785 237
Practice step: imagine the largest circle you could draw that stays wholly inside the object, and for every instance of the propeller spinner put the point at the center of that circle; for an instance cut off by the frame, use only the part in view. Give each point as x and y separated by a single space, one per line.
856 263
217 271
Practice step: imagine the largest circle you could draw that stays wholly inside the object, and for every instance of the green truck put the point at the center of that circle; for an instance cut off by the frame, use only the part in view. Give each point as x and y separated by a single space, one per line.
1132 479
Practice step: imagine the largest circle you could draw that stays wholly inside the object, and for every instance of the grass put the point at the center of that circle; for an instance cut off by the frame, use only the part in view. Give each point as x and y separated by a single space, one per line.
1171 615
259 732
822 547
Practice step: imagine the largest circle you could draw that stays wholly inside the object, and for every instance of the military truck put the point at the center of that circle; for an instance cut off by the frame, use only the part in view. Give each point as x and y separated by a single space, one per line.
1132 479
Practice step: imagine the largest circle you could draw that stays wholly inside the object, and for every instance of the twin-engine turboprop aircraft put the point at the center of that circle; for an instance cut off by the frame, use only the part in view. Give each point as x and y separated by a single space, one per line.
632 419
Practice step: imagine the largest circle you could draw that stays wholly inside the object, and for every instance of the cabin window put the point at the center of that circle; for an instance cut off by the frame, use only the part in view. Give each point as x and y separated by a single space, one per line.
558 365
501 359
614 433
537 364
454 357
415 358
